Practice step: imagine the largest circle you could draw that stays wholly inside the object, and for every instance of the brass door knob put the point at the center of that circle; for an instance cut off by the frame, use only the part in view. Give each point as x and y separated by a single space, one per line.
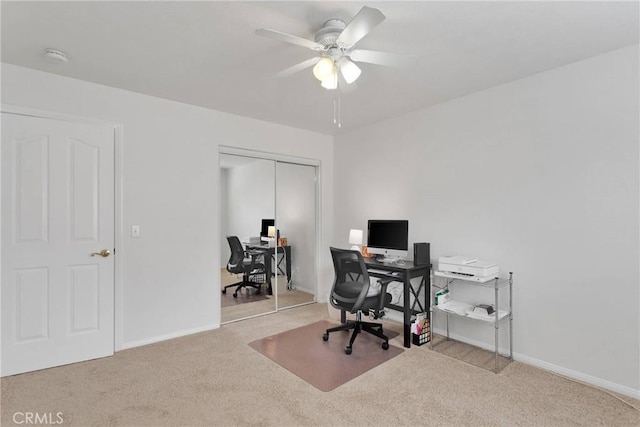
103 253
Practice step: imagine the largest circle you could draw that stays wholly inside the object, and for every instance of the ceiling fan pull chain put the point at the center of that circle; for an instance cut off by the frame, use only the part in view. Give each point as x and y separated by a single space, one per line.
335 120
339 111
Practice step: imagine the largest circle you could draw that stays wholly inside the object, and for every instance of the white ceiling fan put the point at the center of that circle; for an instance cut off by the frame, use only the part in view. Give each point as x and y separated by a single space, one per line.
335 43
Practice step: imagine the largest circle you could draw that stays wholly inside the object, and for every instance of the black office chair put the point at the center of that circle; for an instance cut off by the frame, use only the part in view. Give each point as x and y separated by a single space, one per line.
246 263
349 293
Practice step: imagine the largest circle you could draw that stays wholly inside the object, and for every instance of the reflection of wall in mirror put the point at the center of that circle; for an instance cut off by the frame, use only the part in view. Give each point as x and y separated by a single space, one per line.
249 196
295 215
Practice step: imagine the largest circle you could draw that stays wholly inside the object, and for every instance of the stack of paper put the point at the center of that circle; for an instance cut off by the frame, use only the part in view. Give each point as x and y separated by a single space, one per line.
456 307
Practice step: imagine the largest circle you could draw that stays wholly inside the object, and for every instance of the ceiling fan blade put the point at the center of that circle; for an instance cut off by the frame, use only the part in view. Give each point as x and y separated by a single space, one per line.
288 38
298 67
381 58
360 25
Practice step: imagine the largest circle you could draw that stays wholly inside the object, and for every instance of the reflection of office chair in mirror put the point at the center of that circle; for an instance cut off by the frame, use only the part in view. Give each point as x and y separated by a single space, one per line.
245 263
353 292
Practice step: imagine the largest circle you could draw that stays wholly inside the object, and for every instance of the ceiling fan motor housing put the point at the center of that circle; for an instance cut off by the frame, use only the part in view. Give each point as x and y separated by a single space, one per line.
328 35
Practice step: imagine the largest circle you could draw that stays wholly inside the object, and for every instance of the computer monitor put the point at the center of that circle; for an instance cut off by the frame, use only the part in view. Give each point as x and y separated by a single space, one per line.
388 237
264 229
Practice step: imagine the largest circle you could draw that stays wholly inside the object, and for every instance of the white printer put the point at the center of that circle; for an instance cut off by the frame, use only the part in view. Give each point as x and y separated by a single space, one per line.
468 266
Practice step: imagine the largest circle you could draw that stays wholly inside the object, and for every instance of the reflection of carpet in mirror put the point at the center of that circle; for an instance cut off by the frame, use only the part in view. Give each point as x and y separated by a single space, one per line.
244 296
286 298
322 364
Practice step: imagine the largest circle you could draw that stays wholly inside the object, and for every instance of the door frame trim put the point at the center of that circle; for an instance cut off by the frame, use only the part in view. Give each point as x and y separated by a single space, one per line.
225 149
118 332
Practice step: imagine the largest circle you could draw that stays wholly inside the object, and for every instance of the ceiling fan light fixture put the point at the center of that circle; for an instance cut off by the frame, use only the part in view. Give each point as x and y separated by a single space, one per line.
331 81
349 70
323 69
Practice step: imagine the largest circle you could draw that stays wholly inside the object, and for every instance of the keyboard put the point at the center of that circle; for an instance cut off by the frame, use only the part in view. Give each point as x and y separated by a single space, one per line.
385 272
373 270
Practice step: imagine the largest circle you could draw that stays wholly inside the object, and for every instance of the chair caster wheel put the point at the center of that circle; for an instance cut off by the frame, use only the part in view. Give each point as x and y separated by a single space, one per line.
385 345
224 291
235 295
325 337
347 350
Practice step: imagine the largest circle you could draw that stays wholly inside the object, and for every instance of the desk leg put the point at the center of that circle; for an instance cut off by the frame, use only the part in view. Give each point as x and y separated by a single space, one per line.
267 269
407 311
287 253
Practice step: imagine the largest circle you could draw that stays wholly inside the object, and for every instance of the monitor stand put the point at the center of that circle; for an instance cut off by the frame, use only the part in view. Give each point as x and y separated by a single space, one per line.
390 259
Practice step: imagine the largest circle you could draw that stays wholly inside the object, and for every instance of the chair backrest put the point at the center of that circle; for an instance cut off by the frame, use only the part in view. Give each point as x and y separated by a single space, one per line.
237 255
349 267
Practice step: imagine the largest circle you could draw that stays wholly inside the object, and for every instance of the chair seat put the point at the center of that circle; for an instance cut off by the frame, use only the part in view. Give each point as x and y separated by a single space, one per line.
256 265
351 290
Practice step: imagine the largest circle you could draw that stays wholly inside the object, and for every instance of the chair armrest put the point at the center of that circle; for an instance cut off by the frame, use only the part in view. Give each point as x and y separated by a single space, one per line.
383 291
384 282
253 255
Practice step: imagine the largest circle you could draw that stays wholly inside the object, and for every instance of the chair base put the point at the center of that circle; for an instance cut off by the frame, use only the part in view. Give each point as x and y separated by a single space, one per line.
359 326
243 284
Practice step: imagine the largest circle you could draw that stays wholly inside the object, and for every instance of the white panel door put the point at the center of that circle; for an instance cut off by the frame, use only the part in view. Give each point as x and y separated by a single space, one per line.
57 209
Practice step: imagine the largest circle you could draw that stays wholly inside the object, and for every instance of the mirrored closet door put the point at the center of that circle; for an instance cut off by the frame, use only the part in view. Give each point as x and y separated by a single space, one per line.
296 221
269 213
247 205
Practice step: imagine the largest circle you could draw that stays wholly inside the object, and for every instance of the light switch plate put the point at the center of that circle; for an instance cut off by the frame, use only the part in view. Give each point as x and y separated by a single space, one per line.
135 231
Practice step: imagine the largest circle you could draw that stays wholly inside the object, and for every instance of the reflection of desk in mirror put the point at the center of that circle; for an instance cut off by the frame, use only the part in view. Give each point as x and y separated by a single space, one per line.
271 251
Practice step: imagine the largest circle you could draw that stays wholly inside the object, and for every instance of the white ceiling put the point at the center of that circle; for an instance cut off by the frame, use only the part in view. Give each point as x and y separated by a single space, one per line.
206 53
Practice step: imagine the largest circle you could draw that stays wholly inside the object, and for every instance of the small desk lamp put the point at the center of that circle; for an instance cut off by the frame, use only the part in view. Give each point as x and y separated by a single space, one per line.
355 239
271 233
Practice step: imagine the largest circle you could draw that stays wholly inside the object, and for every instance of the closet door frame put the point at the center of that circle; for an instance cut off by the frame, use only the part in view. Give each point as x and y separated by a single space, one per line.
264 155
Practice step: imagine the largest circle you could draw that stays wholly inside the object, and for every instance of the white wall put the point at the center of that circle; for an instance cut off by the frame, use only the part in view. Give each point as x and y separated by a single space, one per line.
225 252
539 175
251 197
170 276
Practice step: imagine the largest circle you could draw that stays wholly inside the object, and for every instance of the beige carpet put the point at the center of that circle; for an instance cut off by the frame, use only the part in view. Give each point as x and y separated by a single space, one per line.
322 364
215 379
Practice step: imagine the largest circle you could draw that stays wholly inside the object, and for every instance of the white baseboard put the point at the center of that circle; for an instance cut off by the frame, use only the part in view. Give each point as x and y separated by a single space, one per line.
578 376
565 372
165 337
